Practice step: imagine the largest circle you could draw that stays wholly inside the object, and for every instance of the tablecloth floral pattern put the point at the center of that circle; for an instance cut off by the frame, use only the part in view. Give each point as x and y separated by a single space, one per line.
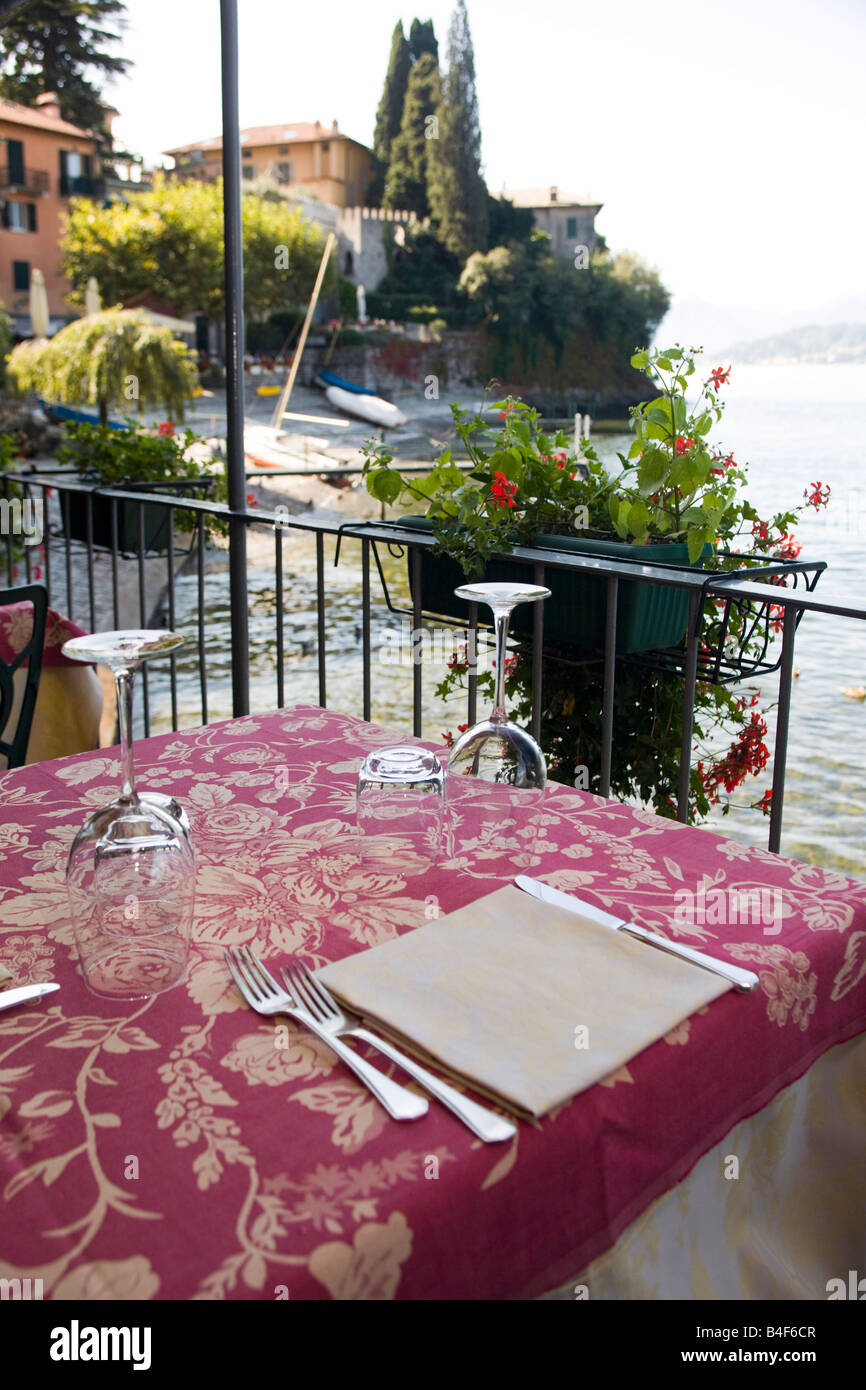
183 1147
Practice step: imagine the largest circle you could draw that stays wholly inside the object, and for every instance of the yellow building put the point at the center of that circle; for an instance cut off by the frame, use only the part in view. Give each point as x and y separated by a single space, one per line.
319 159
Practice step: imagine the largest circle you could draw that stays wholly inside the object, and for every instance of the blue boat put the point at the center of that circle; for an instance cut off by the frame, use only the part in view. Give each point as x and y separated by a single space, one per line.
331 379
80 417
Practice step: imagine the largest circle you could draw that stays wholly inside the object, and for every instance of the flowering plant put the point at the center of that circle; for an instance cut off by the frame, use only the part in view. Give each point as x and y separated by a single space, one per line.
673 486
526 481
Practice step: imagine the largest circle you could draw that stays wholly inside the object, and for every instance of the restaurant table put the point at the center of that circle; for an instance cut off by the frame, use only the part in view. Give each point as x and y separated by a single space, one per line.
182 1147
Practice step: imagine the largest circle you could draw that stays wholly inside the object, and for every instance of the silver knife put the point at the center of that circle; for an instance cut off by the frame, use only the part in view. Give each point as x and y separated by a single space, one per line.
10 997
743 980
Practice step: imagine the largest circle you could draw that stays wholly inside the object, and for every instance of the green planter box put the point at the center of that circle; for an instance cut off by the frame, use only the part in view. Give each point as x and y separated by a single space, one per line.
649 616
155 517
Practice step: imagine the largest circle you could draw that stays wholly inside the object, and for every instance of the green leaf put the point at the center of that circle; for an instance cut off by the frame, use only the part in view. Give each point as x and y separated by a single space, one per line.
640 360
652 469
638 518
696 541
665 364
385 485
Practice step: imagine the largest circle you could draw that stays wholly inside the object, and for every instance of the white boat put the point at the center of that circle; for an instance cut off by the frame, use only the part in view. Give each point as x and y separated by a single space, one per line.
371 408
266 448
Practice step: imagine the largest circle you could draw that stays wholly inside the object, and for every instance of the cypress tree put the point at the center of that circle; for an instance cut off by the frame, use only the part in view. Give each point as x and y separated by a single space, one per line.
422 39
456 190
390 113
406 185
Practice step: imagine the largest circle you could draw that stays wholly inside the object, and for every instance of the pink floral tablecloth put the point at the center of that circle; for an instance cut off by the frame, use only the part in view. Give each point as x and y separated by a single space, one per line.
182 1148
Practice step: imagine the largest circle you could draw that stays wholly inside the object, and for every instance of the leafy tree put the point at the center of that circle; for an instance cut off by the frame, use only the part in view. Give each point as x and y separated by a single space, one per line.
390 113
538 308
421 272
108 359
63 46
406 185
168 242
456 190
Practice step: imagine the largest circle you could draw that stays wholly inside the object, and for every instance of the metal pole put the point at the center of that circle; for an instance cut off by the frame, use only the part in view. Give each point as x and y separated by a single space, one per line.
609 685
783 719
234 332
690 676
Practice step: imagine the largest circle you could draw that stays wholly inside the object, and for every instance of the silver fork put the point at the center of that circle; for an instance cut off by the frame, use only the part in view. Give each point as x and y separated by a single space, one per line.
488 1126
262 993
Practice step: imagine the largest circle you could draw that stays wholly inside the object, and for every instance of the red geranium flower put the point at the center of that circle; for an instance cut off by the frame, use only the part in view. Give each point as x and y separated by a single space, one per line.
683 445
819 496
788 548
719 376
503 491
167 427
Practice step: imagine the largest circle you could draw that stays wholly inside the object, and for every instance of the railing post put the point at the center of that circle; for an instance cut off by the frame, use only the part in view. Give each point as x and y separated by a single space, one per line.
609 685
234 332
537 662
690 676
780 750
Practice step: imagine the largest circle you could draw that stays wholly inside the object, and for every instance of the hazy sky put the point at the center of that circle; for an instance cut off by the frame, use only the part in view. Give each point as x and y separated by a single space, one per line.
724 139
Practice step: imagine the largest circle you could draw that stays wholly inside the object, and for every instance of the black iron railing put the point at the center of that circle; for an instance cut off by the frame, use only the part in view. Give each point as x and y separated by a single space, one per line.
183 548
26 179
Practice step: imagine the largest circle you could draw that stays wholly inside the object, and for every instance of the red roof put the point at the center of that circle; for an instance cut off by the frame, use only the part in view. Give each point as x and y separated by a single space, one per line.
29 115
285 134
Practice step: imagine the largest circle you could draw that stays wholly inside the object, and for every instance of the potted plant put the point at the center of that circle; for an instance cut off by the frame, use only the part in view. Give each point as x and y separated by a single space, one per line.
671 483
667 505
136 460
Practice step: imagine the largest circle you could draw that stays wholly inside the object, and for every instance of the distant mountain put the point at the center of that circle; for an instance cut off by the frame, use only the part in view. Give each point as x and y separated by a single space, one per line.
715 326
817 342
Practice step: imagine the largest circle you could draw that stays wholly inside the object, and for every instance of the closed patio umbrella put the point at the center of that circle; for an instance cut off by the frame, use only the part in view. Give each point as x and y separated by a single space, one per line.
39 315
92 301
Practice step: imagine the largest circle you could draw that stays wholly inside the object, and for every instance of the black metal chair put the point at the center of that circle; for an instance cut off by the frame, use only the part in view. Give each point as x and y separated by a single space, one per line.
15 749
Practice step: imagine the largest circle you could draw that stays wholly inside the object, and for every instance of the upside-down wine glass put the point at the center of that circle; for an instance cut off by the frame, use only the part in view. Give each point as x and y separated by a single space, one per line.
496 774
131 870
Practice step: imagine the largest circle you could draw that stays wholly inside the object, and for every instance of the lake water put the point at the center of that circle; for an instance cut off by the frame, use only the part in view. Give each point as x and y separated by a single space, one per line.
795 425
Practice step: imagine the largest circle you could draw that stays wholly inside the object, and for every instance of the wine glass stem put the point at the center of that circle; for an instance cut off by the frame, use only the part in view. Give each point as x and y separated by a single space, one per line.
500 620
123 683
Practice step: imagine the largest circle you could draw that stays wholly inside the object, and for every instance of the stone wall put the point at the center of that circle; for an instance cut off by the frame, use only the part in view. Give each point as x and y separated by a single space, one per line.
404 363
362 233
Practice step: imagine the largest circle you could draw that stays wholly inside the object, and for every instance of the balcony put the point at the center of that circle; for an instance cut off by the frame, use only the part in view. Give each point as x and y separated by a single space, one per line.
23 180
306 639
81 186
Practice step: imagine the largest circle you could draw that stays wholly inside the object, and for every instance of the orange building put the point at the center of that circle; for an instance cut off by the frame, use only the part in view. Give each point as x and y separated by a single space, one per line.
44 161
322 160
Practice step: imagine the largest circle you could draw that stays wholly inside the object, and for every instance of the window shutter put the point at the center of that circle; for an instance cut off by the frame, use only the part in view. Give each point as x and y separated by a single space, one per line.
85 166
5 214
31 217
15 150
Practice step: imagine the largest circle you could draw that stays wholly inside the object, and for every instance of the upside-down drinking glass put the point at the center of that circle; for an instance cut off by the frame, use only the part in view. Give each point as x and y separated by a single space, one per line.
131 871
496 774
400 808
